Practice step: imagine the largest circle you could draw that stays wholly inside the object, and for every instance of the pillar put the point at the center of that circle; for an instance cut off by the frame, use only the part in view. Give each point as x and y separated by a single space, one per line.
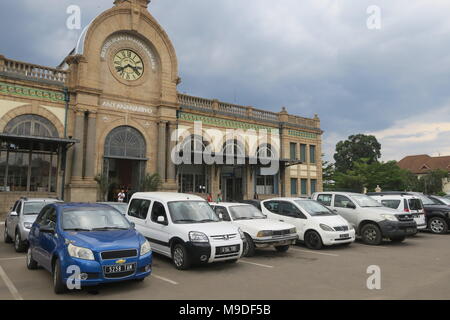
162 126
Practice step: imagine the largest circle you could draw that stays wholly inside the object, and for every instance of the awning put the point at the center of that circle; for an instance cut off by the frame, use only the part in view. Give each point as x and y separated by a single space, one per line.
21 139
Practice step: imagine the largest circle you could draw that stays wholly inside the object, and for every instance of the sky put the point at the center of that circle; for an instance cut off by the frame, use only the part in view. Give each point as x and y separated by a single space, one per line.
310 56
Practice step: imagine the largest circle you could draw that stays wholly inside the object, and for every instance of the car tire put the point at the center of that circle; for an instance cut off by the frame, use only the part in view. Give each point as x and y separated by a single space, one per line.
371 234
7 238
232 261
180 257
398 239
313 240
59 286
249 247
438 225
282 248
19 245
31 263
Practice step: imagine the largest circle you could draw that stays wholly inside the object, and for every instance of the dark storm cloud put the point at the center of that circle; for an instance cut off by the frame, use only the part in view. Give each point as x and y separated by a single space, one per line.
310 56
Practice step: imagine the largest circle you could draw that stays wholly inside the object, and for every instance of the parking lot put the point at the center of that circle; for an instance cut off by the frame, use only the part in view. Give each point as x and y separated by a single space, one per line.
415 269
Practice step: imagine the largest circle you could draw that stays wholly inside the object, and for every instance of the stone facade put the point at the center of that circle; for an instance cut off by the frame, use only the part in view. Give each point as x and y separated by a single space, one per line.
118 91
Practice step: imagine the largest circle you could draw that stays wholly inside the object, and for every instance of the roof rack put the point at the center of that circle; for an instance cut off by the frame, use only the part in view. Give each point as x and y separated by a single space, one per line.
389 193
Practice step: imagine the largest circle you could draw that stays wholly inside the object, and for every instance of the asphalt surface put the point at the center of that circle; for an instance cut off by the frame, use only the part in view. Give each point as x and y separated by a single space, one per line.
415 269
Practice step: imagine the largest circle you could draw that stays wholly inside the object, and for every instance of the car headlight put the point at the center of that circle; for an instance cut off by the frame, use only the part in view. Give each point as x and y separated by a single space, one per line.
350 227
293 230
389 217
324 227
195 236
80 253
27 225
145 248
241 233
266 233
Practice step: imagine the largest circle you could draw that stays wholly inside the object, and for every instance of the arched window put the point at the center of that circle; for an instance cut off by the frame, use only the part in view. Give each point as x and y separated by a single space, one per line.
234 148
125 142
32 125
195 143
265 151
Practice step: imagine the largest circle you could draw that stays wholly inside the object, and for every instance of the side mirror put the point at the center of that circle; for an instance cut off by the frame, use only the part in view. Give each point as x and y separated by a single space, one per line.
161 220
351 205
133 225
13 214
47 229
221 216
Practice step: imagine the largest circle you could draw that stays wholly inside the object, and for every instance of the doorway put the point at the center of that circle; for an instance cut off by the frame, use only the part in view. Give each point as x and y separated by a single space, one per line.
233 184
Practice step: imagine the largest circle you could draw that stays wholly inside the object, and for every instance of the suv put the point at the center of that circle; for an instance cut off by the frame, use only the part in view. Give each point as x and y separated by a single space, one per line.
403 203
437 214
317 226
259 231
20 219
372 221
185 228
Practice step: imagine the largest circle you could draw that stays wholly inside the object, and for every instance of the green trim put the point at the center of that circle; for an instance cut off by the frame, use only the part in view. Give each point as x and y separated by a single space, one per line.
224 122
302 134
17 90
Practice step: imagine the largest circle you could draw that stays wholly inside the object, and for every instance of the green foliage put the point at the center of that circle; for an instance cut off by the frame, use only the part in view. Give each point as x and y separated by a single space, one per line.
366 174
104 185
432 183
356 148
151 183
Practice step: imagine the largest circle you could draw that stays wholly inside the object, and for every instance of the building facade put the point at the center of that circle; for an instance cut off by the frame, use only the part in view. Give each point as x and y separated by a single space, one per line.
113 108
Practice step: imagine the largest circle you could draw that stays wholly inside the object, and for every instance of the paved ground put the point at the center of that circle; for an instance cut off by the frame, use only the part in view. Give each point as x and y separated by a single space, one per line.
416 269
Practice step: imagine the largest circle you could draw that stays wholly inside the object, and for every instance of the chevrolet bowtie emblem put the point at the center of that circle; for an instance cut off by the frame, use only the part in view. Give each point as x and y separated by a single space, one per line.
121 261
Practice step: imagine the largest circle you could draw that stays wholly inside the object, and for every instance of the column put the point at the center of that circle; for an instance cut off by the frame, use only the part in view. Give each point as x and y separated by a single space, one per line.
91 145
77 168
162 127
171 169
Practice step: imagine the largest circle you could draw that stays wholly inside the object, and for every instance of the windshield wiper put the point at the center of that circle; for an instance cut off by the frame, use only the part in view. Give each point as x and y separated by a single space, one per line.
109 228
184 220
77 229
244 218
207 220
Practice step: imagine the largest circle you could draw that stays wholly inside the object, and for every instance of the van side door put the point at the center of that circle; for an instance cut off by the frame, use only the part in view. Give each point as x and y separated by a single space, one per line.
158 226
137 213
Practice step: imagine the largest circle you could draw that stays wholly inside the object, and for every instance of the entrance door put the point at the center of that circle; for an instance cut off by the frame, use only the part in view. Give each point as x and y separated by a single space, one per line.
124 174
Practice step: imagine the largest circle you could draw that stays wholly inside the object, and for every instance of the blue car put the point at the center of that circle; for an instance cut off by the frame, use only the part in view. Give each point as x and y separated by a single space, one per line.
87 244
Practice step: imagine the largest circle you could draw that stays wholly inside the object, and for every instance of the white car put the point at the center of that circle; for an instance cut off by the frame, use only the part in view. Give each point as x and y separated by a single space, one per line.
317 226
185 228
259 231
403 203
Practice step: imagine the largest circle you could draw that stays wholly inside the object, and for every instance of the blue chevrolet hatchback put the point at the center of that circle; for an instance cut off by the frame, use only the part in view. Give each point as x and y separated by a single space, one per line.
87 244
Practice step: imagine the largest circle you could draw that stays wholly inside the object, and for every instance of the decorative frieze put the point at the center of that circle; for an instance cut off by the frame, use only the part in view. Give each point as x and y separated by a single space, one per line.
22 91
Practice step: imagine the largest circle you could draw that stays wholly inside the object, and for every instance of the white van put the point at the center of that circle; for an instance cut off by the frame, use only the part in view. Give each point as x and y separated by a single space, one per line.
405 204
317 226
185 228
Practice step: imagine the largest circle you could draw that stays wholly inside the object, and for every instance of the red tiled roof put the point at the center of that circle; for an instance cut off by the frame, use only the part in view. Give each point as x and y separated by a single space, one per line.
424 163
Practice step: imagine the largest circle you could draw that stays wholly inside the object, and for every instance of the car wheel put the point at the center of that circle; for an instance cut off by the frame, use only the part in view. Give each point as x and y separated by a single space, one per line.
58 284
249 247
313 240
19 245
180 257
282 248
6 238
438 225
31 263
371 234
398 239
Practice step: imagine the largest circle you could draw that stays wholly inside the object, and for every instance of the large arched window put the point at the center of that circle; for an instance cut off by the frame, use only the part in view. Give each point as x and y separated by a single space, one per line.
234 148
125 142
32 125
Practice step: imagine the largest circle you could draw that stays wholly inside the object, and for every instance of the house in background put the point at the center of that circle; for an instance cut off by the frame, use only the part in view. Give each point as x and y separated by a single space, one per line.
422 164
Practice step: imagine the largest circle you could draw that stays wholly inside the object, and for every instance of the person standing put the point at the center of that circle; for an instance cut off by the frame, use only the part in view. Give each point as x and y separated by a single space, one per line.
121 196
209 198
219 197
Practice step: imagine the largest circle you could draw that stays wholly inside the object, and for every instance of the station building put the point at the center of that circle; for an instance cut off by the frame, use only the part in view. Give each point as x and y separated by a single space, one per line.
113 108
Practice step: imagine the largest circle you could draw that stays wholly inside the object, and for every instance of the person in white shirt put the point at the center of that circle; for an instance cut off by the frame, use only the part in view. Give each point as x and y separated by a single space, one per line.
121 196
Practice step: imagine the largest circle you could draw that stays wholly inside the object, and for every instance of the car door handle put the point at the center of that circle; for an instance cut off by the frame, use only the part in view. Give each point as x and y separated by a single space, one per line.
281 220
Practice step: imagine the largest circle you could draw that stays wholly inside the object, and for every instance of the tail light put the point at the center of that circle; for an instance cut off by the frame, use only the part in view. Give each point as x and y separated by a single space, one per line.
406 210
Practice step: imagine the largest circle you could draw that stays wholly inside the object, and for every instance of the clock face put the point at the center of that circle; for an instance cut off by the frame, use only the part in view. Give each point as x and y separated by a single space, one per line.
128 65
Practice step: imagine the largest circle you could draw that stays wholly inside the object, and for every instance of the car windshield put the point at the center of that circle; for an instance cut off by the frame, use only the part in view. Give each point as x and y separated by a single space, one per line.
314 208
122 207
248 212
33 208
192 212
93 219
427 201
365 201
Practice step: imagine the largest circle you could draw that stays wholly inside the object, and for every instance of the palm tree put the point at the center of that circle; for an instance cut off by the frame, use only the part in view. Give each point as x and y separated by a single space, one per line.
151 182
104 184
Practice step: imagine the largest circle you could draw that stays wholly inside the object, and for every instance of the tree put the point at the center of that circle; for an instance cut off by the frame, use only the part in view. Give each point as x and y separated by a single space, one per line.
387 175
151 182
354 149
104 185
328 172
432 183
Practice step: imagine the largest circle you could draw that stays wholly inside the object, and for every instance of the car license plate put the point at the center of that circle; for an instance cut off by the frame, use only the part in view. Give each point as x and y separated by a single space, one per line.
410 230
344 236
230 249
120 268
